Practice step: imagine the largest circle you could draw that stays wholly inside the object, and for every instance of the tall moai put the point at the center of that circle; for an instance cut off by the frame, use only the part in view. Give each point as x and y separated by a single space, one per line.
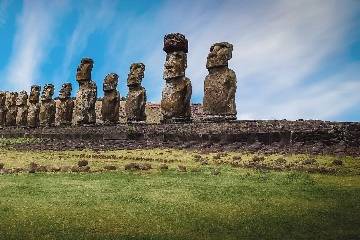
65 108
84 109
111 101
22 109
175 102
11 109
136 98
220 84
33 120
47 106
2 109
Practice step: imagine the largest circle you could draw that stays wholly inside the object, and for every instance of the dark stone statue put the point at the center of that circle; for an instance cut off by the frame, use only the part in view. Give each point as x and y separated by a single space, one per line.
47 107
111 100
22 109
175 102
136 98
11 109
84 110
64 111
33 120
2 109
220 84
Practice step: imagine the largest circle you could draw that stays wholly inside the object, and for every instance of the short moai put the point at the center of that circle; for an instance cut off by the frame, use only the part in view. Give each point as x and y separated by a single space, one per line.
136 98
111 101
84 109
33 118
219 85
22 109
175 102
2 109
47 106
64 110
11 109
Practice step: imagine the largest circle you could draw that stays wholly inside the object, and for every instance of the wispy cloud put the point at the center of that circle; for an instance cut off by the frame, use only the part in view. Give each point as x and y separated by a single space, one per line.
4 4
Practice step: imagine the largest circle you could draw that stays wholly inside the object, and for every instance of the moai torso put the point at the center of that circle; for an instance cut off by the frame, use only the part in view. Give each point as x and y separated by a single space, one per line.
64 111
136 98
111 101
220 84
84 109
175 102
47 106
22 109
11 109
2 109
34 107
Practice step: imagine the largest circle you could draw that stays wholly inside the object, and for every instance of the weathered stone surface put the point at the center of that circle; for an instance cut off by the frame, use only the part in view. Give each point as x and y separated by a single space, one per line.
111 100
64 110
34 107
22 109
47 106
11 109
84 111
2 109
136 98
220 84
175 102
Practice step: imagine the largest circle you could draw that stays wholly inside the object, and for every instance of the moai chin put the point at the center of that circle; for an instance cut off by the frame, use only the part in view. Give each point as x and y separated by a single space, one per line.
84 109
2 109
47 106
219 84
136 98
33 120
64 110
11 109
111 101
22 109
175 102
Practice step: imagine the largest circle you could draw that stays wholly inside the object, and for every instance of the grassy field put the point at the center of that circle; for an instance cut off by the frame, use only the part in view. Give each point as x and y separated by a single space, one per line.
239 203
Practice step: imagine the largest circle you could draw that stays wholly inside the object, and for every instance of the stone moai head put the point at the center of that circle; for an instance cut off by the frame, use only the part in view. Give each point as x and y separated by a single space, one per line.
176 47
110 82
47 92
136 74
11 99
175 42
83 72
65 91
2 99
34 94
220 54
22 98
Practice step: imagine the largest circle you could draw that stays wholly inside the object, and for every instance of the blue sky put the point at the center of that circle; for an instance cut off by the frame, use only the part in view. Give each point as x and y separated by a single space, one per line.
293 59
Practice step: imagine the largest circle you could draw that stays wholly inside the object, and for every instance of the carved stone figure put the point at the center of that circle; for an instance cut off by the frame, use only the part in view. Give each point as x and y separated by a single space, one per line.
84 109
22 109
47 107
175 102
2 109
136 98
64 111
111 100
34 107
11 109
220 84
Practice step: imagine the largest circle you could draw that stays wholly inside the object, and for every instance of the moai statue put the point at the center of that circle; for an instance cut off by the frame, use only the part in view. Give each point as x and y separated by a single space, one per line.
220 84
175 102
111 100
47 106
22 109
11 109
84 111
34 107
64 111
136 98
2 109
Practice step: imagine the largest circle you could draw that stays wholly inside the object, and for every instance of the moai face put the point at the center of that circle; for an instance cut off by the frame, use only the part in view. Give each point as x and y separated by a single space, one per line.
136 74
22 98
65 91
175 65
34 94
110 82
11 99
48 92
83 72
2 99
220 54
